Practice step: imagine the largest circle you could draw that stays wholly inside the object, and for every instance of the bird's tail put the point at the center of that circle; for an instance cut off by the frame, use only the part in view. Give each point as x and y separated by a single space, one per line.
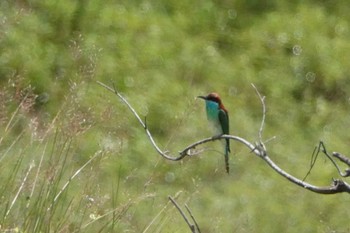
227 151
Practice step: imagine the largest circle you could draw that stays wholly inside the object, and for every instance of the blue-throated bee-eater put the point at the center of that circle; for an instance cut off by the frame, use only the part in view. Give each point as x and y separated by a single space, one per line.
218 116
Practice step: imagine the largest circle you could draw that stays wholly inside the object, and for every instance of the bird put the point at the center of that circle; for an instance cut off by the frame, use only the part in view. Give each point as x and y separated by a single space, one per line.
218 117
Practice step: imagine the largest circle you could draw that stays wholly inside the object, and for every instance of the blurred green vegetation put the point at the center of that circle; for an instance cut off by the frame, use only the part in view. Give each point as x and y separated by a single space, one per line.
161 54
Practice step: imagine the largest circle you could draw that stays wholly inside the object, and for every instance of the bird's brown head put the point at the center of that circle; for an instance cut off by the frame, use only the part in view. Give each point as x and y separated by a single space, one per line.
215 98
212 97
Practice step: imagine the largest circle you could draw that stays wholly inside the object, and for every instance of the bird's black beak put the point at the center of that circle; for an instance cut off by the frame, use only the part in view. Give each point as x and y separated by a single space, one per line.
202 97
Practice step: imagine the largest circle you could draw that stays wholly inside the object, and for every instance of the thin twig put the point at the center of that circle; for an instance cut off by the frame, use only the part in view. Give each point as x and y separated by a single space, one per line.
194 220
262 100
313 160
323 148
191 226
342 158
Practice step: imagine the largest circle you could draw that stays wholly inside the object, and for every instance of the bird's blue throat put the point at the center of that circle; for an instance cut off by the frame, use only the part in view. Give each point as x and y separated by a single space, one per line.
212 110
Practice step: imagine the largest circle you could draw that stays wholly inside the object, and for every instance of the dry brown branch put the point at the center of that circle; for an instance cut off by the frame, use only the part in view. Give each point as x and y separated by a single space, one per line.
259 150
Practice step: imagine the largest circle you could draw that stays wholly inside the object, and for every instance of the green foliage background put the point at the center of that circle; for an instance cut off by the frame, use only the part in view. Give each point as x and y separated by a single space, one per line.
161 55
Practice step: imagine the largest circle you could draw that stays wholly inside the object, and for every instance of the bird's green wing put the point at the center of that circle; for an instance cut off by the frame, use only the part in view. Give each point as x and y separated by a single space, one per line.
224 121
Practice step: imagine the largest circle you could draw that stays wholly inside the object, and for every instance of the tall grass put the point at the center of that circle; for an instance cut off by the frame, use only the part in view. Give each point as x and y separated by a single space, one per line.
52 179
44 186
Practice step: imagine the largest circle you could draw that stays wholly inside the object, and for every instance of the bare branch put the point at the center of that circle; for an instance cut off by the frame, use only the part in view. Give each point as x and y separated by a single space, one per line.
162 153
323 149
190 225
312 161
338 186
262 100
194 220
252 147
345 160
184 152
260 150
342 158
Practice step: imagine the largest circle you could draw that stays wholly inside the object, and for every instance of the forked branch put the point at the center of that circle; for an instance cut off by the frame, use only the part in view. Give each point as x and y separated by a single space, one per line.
259 149
194 227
